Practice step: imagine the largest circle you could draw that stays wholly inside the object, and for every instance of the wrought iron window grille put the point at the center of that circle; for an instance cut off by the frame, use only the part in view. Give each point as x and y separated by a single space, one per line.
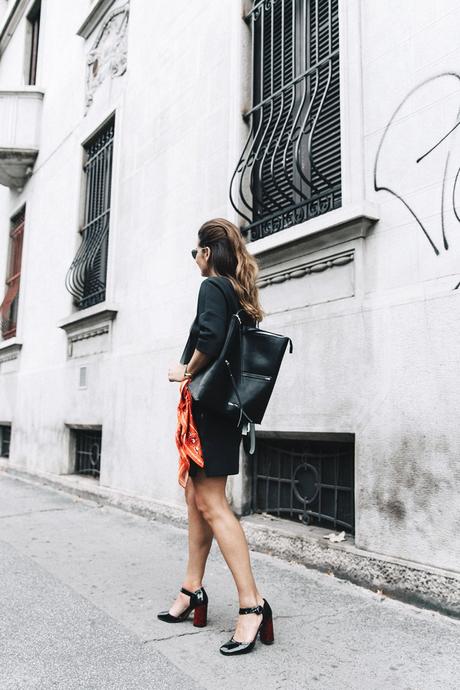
88 443
290 167
86 277
9 306
310 481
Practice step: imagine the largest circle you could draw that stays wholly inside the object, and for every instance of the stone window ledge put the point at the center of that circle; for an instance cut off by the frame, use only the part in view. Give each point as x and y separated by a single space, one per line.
89 331
88 319
10 349
331 228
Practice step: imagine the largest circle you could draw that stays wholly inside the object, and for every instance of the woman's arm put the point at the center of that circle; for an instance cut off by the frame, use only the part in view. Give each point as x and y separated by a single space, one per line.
212 316
197 362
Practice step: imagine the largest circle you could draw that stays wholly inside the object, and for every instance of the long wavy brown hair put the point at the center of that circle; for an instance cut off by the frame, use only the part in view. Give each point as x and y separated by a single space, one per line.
229 257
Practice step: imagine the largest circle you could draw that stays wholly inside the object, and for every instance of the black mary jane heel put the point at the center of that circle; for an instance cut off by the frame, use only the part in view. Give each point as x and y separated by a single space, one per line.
265 629
198 604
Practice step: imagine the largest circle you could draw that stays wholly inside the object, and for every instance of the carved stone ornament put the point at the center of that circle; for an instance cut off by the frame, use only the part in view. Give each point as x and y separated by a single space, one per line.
301 270
108 56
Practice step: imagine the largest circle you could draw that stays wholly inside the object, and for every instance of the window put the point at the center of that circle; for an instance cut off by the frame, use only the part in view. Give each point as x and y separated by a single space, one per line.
33 31
5 436
9 306
290 167
88 451
86 277
310 481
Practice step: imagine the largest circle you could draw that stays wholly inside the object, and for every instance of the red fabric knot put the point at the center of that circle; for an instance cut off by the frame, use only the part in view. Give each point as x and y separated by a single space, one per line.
187 438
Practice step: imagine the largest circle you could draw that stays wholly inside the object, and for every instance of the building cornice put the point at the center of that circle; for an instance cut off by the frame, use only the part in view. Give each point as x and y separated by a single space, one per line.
94 17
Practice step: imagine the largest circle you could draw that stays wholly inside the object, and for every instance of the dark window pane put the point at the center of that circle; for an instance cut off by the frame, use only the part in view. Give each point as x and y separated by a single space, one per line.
34 33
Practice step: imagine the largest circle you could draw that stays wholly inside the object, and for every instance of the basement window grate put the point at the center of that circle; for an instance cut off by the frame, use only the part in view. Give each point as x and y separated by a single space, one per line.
5 438
88 444
310 481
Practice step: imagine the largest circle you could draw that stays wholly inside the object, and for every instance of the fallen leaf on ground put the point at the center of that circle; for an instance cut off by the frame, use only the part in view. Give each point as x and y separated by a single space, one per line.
335 537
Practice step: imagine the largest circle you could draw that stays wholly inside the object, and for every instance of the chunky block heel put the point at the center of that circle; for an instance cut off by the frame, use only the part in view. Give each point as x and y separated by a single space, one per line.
266 632
200 616
198 604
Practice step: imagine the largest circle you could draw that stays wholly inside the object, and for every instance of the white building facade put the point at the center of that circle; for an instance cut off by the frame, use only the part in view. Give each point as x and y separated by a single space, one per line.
326 130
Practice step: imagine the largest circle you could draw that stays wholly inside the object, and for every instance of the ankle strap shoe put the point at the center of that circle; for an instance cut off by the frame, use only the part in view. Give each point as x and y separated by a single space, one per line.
198 604
265 629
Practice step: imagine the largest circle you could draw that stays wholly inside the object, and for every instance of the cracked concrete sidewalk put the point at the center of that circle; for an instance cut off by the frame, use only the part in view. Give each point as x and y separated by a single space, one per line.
82 583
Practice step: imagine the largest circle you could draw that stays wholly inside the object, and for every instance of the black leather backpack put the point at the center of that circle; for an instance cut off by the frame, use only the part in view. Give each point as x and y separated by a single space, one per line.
239 382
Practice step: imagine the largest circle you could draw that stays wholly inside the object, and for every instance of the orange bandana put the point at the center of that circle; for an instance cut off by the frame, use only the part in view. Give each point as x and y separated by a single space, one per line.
187 439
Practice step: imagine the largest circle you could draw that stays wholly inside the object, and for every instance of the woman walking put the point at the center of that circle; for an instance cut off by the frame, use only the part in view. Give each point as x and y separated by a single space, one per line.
209 443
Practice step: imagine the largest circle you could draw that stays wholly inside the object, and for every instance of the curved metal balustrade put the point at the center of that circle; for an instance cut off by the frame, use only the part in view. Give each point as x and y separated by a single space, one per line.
86 277
290 167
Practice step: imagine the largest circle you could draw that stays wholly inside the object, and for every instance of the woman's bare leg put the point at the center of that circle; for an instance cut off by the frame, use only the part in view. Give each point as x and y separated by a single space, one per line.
199 543
212 502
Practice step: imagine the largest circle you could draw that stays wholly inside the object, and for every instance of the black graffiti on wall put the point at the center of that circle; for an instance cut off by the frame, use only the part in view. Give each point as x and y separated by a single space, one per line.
407 163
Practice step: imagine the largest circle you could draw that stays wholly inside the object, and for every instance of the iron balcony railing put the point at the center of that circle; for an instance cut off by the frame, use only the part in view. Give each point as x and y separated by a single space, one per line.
290 167
86 277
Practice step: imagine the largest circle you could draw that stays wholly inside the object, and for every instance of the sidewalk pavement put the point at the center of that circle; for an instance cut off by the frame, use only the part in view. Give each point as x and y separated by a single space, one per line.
82 583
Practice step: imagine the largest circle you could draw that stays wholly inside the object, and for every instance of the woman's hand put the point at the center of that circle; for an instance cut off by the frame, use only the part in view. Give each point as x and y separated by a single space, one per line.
176 372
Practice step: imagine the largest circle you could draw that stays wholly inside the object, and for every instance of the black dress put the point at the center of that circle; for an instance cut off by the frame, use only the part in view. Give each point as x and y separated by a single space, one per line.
220 438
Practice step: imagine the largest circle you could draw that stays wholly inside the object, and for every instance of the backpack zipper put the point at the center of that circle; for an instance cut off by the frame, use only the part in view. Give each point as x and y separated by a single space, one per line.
256 376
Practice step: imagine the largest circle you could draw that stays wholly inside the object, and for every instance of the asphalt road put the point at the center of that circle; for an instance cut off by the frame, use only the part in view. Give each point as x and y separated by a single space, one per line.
81 584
